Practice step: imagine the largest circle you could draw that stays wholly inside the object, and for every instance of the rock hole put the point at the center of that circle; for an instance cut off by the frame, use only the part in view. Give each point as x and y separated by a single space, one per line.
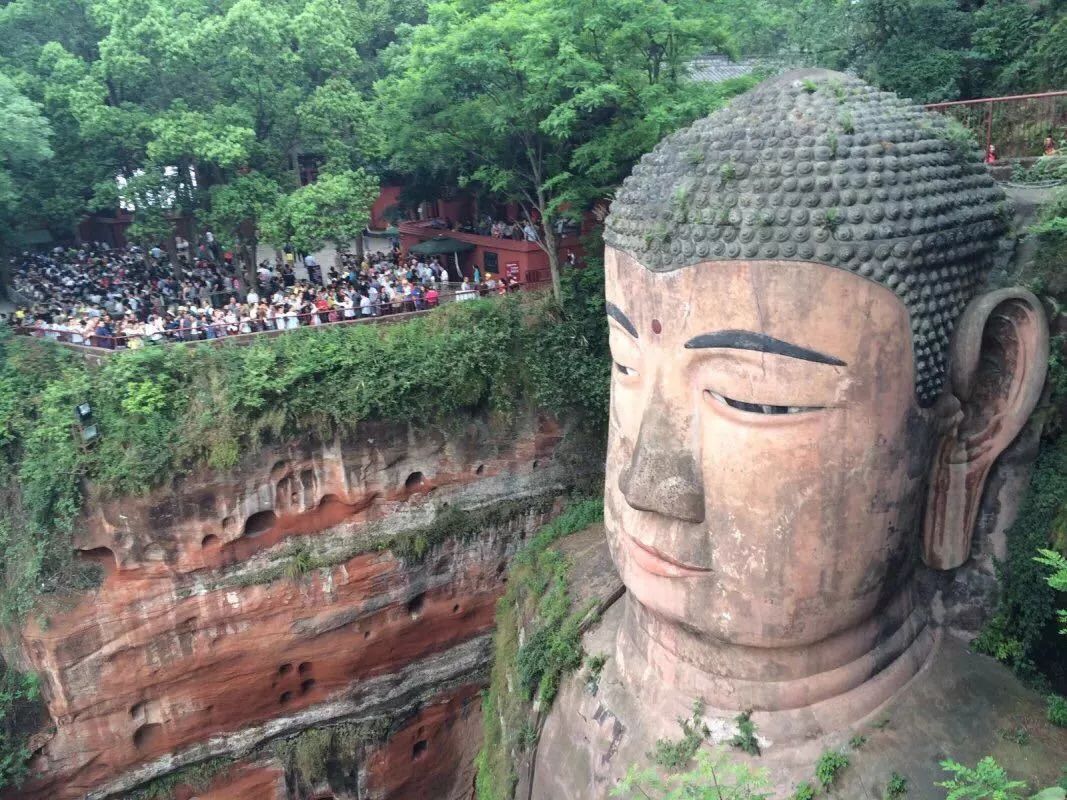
259 523
227 523
279 467
366 634
137 709
307 480
285 669
419 750
306 686
480 470
304 668
285 698
147 735
413 481
416 603
211 540
103 556
455 608
536 464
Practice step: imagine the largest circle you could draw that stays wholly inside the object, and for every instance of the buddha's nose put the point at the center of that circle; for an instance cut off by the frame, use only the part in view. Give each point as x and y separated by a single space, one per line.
663 475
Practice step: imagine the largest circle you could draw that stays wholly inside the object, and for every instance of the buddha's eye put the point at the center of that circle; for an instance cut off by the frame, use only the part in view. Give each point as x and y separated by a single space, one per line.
625 370
759 408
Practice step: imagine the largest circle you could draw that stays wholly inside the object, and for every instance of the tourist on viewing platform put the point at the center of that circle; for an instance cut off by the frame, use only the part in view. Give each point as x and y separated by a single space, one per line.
114 299
1049 146
991 154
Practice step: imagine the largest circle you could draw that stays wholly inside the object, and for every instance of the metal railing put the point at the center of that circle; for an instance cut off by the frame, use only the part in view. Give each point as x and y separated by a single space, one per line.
400 308
1016 124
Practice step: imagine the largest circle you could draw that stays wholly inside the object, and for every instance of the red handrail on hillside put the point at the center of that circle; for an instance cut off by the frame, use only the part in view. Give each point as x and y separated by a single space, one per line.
1021 129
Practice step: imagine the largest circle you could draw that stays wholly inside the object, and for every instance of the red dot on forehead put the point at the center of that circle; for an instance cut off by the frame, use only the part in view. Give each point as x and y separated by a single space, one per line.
656 326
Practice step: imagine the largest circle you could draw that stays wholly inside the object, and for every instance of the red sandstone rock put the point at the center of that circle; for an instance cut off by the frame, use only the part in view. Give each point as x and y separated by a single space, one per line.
172 653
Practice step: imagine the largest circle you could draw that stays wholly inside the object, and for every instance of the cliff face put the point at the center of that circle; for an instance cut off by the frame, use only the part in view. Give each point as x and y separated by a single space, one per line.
349 582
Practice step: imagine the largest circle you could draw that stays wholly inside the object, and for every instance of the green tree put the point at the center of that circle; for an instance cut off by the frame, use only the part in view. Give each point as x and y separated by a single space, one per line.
544 102
237 212
335 208
24 143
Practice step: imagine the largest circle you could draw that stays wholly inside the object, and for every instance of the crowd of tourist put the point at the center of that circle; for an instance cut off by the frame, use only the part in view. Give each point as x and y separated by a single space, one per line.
104 297
503 229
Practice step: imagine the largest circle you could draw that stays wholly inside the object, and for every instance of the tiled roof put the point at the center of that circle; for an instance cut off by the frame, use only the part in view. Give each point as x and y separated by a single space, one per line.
713 68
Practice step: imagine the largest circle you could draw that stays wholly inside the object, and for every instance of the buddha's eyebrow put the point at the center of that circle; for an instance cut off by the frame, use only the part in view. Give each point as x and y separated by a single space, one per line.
749 340
616 314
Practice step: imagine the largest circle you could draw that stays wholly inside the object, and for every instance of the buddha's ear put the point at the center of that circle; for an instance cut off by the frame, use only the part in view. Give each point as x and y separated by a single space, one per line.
997 364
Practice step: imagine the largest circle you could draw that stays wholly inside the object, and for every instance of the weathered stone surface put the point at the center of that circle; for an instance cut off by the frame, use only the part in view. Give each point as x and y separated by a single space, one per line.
960 706
206 640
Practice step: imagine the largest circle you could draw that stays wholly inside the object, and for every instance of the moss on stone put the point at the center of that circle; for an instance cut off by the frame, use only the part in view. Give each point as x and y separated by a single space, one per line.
536 595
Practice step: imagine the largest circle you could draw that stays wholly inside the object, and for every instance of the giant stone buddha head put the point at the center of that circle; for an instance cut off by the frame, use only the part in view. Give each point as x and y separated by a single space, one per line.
809 387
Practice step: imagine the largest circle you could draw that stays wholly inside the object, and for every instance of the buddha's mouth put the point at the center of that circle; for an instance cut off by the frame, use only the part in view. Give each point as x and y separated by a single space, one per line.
651 560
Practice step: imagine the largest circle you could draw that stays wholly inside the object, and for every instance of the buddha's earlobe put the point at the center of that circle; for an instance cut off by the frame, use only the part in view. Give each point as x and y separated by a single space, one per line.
997 365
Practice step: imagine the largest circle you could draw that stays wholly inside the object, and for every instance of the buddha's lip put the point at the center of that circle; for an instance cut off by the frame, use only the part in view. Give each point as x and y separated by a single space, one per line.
654 561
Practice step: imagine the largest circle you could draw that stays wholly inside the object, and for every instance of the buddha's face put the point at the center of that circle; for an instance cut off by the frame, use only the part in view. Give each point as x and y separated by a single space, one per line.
767 458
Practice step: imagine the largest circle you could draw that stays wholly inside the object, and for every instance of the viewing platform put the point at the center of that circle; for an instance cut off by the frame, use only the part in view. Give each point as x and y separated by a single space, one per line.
514 258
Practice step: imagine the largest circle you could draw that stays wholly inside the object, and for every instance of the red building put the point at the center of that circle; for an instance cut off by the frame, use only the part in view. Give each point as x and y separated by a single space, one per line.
526 261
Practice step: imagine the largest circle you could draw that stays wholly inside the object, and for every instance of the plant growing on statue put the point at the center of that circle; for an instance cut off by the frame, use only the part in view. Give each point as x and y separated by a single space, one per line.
676 754
713 777
897 787
830 766
986 780
745 738
594 666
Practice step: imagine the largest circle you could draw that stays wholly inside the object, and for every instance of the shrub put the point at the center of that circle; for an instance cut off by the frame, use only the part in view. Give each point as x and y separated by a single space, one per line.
713 777
745 738
21 711
1023 633
803 792
829 766
986 780
318 755
674 755
857 741
1057 710
197 777
897 787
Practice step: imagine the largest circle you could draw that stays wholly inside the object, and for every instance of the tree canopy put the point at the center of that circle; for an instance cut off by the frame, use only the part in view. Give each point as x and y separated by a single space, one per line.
546 102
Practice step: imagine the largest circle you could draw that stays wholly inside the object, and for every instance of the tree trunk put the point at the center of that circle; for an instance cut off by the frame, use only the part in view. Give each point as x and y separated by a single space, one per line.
249 258
359 248
552 251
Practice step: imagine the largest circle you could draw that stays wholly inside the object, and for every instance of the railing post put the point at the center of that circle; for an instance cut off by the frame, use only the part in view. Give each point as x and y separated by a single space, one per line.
989 126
